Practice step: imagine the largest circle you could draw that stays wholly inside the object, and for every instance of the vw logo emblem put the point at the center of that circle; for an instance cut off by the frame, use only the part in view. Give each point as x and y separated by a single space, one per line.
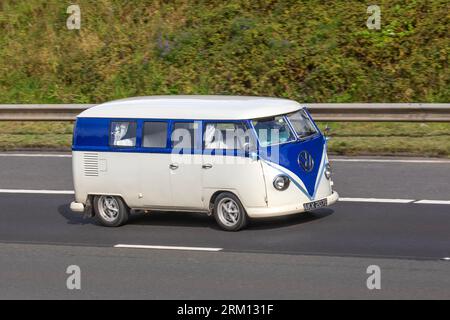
306 161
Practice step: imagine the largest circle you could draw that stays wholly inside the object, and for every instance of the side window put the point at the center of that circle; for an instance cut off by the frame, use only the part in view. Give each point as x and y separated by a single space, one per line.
302 124
123 134
273 130
183 135
226 136
155 134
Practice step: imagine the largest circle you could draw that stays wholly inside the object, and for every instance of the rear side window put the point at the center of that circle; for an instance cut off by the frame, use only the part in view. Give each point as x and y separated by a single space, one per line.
155 134
123 134
183 135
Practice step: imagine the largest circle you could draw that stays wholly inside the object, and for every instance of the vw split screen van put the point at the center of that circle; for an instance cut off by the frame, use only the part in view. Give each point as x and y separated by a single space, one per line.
231 157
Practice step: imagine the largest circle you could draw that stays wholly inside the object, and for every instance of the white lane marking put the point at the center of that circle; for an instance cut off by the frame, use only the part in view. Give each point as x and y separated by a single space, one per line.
132 246
376 200
432 202
391 160
40 155
37 191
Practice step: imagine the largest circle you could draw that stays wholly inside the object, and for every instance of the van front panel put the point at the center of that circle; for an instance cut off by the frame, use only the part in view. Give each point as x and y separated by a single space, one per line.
302 159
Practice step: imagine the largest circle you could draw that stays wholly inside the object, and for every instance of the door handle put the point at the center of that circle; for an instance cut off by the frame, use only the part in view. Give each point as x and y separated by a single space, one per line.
207 166
173 166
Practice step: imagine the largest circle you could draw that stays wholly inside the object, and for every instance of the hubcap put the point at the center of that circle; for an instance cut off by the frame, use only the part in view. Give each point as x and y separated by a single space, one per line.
108 207
228 212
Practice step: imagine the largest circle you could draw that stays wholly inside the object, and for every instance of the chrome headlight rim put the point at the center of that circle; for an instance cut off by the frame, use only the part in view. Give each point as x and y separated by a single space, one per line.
281 182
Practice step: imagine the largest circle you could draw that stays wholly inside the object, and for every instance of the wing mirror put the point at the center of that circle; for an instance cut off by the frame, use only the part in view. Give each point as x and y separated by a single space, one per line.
327 131
250 152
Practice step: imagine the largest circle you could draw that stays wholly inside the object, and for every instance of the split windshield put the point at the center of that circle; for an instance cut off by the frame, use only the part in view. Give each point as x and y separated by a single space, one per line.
302 124
276 130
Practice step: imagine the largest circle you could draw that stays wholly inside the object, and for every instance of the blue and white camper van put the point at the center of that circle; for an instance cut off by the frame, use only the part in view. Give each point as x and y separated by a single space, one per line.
231 157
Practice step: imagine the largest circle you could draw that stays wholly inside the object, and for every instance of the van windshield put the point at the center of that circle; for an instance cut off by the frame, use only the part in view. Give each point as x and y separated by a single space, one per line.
273 130
302 124
276 130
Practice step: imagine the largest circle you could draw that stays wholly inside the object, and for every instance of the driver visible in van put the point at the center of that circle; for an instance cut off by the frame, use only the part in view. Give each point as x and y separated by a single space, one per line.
120 137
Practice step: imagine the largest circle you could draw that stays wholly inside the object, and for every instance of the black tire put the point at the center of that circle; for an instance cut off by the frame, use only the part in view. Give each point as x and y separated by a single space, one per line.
116 219
234 222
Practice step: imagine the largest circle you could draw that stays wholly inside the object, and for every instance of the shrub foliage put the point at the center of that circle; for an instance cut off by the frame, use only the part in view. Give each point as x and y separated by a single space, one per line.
311 51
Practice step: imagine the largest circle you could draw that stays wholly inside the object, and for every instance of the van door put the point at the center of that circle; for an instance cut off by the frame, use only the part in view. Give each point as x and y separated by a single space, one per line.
185 165
227 165
154 171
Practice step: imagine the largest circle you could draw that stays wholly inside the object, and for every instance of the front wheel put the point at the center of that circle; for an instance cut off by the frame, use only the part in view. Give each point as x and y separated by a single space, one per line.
229 212
110 211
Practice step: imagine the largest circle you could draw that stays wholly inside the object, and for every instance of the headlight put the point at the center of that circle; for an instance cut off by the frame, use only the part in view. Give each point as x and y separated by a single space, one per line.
281 183
328 171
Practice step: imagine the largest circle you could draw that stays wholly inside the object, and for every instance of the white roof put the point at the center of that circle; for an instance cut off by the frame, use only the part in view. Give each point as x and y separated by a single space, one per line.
193 107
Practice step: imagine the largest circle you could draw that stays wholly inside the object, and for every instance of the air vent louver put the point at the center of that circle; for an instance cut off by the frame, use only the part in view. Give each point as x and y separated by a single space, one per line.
90 164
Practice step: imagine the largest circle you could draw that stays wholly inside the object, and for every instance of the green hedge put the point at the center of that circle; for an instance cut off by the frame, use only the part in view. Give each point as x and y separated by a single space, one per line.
311 51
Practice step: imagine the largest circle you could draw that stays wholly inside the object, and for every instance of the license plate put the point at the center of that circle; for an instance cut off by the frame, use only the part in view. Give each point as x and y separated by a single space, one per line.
315 205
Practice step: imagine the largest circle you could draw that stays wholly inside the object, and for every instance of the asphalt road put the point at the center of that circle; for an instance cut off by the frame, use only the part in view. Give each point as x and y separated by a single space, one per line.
347 229
323 254
39 271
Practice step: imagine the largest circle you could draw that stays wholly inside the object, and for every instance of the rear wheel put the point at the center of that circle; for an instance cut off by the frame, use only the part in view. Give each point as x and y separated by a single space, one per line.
110 211
229 212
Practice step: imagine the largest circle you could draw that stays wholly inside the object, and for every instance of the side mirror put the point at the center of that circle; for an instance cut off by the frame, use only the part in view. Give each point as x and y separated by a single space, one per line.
327 130
250 152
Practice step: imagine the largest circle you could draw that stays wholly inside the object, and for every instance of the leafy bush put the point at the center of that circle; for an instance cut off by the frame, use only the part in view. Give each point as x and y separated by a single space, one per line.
311 51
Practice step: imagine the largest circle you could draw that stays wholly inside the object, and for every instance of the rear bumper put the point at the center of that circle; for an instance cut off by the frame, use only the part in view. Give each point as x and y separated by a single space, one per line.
77 207
267 212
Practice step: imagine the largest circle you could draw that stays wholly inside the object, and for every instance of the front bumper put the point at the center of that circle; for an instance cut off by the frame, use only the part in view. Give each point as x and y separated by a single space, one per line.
267 212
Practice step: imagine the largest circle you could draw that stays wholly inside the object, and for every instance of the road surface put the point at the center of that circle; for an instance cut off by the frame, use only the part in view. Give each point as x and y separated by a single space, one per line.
396 215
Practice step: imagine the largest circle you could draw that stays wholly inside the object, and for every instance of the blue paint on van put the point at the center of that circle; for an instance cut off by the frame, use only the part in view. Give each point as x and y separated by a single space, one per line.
288 158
